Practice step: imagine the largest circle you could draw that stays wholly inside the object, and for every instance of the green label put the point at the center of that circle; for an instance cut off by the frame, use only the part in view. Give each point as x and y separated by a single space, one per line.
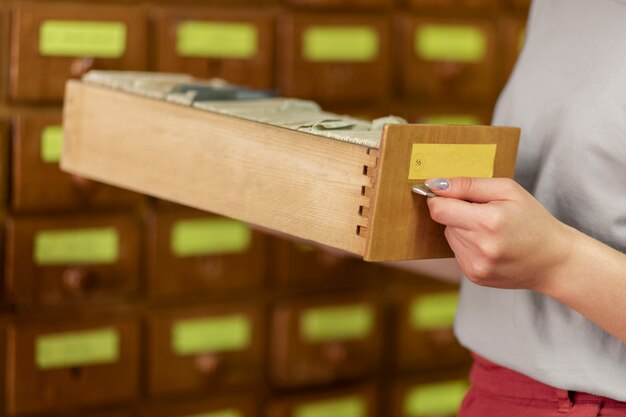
342 407
82 38
434 311
217 40
197 237
450 43
451 119
64 350
51 144
442 399
217 334
340 44
337 323
221 413
77 246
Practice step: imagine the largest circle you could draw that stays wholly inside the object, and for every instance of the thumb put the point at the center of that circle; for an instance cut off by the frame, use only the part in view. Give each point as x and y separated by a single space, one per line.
476 190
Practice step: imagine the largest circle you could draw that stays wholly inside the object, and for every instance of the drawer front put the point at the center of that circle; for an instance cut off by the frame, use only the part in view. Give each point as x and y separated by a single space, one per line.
317 341
191 252
355 402
80 259
424 333
512 35
448 58
50 44
235 46
299 265
224 406
38 184
326 59
193 350
4 163
455 5
71 362
441 396
342 4
445 114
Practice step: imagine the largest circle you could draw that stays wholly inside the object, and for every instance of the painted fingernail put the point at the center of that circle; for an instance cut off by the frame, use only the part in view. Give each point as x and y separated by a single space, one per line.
439 184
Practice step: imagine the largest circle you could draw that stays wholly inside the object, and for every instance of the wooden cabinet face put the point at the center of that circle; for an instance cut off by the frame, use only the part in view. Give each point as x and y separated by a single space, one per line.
424 323
4 163
324 58
324 340
71 361
222 406
191 253
50 44
445 114
447 59
79 259
429 396
237 46
343 4
199 349
38 184
513 34
302 266
353 402
455 5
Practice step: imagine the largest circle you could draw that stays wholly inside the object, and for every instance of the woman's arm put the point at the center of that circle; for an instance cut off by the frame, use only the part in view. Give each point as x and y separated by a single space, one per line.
503 237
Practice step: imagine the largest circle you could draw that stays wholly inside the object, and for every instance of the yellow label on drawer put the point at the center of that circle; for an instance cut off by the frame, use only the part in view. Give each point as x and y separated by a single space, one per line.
450 43
337 323
77 246
217 40
441 399
434 311
341 407
51 144
216 334
82 38
89 347
221 413
340 44
435 160
197 237
451 119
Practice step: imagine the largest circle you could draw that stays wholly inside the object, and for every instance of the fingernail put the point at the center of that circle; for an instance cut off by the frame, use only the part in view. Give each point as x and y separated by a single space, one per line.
439 184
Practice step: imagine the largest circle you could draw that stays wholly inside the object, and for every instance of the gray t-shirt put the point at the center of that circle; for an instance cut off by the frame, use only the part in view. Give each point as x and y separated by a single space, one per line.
568 94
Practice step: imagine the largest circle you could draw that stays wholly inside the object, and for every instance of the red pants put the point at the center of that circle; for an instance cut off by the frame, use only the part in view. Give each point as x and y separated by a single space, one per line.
501 392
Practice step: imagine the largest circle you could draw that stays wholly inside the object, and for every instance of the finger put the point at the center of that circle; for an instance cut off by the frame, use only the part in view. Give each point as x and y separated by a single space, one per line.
455 213
477 190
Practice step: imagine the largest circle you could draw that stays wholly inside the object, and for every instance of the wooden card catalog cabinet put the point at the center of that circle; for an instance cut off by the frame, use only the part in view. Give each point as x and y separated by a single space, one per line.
224 406
447 59
353 402
442 114
50 44
303 266
455 5
233 45
323 341
326 59
342 4
71 259
436 398
424 333
4 163
38 184
62 363
513 35
192 350
192 252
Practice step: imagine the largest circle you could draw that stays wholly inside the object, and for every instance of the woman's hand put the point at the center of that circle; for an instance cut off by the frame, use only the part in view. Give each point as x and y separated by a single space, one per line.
502 236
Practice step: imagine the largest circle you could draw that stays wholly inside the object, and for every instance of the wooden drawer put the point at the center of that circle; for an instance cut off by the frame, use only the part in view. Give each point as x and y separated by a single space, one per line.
437 114
424 323
224 406
328 60
352 402
50 44
4 163
235 45
196 253
447 58
302 266
37 182
512 36
342 4
62 363
323 340
429 396
72 259
455 5
205 348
